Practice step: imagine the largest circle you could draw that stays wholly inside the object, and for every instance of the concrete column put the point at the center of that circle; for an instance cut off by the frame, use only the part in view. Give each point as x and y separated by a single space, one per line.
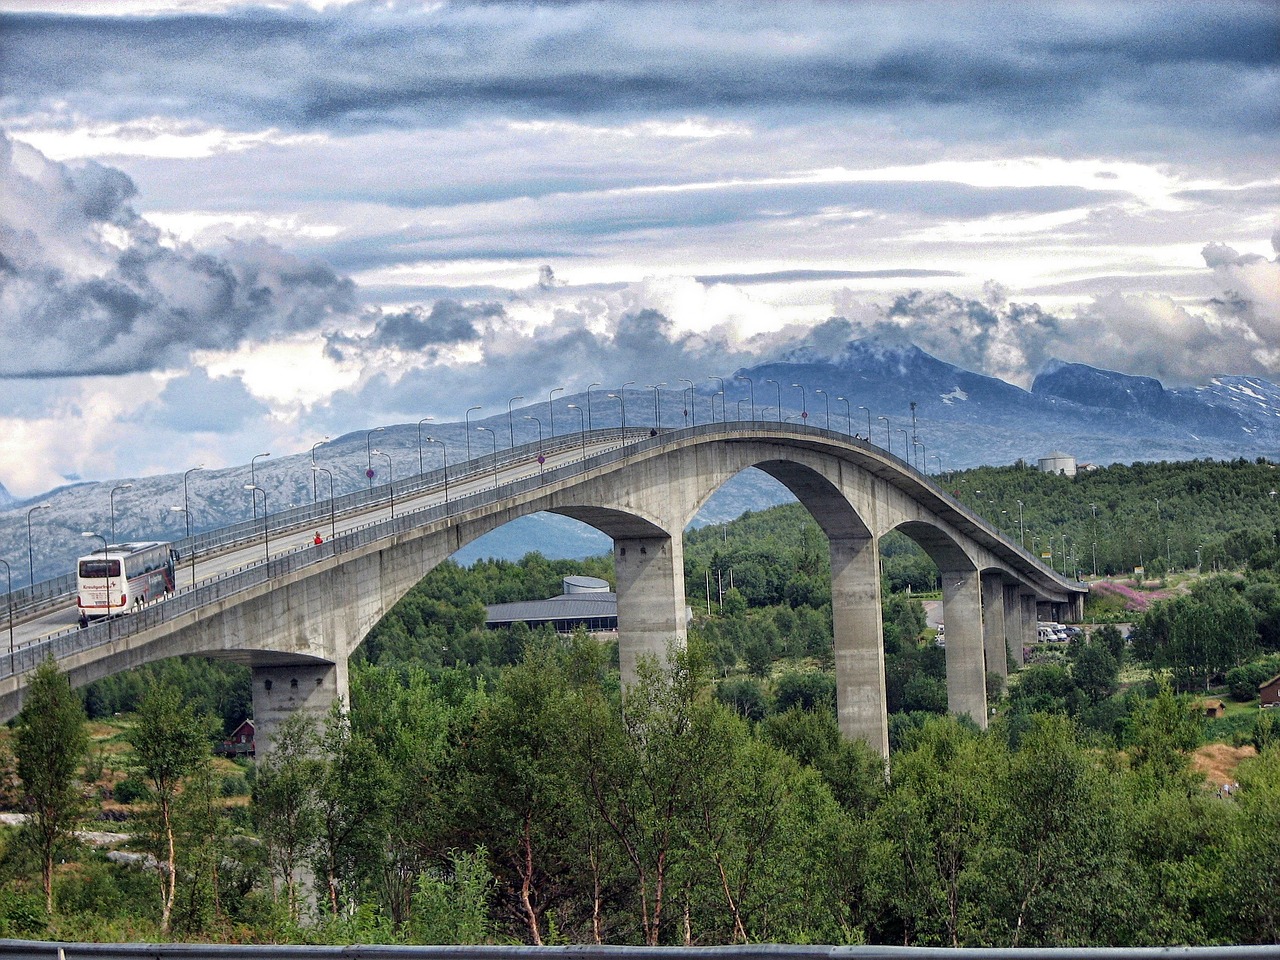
1013 629
279 692
651 606
1028 618
994 641
962 613
859 641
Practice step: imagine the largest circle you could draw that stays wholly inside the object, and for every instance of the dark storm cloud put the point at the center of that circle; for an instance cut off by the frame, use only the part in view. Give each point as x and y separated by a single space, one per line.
358 66
414 329
196 401
89 287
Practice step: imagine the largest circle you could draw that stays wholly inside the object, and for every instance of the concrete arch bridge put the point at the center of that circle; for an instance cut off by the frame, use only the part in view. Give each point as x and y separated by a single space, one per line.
296 618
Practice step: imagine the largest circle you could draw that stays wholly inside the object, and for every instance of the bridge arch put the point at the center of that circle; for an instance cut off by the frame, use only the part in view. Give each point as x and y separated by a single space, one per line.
310 609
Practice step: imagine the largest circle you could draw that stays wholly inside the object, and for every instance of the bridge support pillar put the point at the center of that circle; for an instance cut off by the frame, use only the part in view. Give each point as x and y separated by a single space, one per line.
279 692
1029 635
994 638
651 606
859 641
966 673
1014 631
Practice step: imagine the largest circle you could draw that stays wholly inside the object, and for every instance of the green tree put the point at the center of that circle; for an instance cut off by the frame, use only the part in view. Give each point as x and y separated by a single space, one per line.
1252 874
169 743
49 745
285 805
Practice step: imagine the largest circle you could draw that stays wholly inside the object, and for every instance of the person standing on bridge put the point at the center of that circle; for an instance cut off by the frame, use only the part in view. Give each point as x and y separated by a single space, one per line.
318 539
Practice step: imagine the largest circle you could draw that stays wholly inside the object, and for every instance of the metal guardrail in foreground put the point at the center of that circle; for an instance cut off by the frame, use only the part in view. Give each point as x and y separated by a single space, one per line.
198 951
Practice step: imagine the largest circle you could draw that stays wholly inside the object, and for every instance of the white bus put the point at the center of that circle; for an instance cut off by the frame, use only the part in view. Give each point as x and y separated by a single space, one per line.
124 575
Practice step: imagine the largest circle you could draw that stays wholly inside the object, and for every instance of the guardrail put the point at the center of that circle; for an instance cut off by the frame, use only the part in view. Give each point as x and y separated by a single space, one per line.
183 600
200 951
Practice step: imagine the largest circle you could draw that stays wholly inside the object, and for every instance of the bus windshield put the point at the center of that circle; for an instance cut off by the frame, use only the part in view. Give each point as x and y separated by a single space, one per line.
99 569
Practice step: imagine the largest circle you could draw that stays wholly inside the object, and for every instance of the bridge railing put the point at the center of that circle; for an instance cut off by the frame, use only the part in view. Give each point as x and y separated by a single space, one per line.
184 600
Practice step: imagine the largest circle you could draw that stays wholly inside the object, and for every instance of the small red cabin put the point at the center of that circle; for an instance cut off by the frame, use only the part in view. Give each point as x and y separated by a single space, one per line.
240 743
1270 692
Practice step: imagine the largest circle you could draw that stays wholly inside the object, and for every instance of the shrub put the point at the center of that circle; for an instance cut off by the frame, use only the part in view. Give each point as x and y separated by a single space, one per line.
130 790
1243 681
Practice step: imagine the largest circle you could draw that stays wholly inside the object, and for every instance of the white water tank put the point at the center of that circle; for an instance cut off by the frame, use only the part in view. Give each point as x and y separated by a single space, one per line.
1060 463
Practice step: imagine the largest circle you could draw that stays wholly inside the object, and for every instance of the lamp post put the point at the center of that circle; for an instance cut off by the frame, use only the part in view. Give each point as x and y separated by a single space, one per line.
582 428
253 480
9 605
888 442
391 480
740 403
444 452
1022 533
31 567
751 392
511 430
923 458
939 459
690 406
906 444
657 403
778 387
315 493
493 436
551 407
540 457
594 383
723 415
622 392
333 521
868 409
111 498
106 576
266 533
804 404
421 468
466 419
827 400
623 429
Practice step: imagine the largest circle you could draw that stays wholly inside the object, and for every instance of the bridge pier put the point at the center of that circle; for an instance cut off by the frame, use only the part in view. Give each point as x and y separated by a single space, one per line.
995 641
1029 620
859 641
282 690
1013 627
966 663
651 604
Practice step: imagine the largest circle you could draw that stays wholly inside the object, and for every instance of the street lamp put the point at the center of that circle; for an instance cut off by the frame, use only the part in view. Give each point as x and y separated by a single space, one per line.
723 415
266 533
112 500
622 393
740 403
861 407
253 480
391 481
539 440
906 444
804 404
444 452
939 459
551 406
421 468
333 522
622 407
1022 533
595 383
751 391
582 428
368 455
691 403
511 430
314 493
657 403
466 418
827 400
923 457
493 436
9 604
31 568
888 441
778 387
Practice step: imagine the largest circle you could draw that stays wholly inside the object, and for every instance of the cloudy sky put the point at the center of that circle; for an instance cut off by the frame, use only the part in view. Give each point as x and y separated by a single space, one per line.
230 227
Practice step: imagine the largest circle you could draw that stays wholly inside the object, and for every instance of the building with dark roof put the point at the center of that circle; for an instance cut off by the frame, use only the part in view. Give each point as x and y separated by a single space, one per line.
586 602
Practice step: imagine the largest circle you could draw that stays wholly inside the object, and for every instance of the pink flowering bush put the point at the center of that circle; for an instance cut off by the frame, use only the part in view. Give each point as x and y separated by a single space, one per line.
1117 595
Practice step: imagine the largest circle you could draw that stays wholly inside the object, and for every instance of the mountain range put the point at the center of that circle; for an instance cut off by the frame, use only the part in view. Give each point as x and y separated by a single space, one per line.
874 387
